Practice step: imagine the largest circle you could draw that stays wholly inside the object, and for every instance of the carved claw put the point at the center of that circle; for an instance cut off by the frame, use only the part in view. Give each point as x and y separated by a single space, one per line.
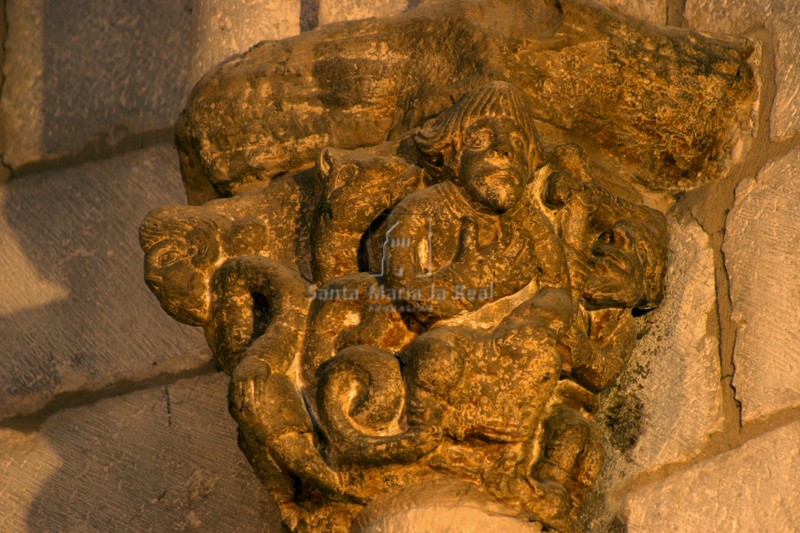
552 505
248 383
268 407
548 502
298 453
300 456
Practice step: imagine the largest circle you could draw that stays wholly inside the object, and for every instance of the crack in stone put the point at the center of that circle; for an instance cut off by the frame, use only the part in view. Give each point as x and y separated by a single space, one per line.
169 404
676 10
6 172
98 149
30 423
718 444
309 15
728 326
769 89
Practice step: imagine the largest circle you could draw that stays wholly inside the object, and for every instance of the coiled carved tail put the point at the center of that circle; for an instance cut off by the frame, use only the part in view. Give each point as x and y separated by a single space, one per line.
361 396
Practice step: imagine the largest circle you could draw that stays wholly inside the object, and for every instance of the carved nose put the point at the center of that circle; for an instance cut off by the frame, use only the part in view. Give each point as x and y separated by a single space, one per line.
502 150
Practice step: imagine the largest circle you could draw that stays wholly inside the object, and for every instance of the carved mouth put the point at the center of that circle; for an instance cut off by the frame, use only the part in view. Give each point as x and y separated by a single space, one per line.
501 177
509 171
155 283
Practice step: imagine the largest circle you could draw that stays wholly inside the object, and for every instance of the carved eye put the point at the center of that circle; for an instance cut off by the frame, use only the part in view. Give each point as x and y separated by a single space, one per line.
616 237
168 257
518 142
479 139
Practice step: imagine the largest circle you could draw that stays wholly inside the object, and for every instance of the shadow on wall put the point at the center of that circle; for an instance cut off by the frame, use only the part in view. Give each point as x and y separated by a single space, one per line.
309 11
163 459
111 67
309 14
75 312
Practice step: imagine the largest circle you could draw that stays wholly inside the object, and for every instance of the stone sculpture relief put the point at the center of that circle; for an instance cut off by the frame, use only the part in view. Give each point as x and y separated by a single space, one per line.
442 293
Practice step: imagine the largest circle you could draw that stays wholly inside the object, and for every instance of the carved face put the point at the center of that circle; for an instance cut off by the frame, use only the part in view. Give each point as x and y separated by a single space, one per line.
618 274
494 165
177 270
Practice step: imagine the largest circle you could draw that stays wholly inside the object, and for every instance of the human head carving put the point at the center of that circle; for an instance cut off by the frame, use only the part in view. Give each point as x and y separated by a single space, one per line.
487 142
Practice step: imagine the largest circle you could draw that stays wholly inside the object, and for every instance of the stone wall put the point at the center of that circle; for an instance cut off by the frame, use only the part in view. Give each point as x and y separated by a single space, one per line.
111 416
727 413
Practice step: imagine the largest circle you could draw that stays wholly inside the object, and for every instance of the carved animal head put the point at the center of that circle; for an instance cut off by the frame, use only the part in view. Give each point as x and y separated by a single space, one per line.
182 245
628 263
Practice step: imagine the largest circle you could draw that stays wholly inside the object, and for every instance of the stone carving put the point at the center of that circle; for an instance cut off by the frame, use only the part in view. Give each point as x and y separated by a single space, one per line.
473 349
661 107
441 308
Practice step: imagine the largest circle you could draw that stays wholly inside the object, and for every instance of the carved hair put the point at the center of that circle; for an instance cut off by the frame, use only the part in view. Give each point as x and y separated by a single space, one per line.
166 222
494 99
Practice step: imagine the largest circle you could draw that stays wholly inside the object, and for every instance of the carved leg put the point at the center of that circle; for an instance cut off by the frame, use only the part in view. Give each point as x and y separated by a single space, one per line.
276 481
547 502
572 455
270 411
280 484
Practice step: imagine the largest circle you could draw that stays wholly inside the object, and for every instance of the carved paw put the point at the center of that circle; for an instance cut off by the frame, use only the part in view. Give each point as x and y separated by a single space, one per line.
248 388
552 504
579 268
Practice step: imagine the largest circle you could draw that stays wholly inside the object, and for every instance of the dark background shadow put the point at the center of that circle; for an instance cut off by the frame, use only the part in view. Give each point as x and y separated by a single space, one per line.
161 459
113 67
77 229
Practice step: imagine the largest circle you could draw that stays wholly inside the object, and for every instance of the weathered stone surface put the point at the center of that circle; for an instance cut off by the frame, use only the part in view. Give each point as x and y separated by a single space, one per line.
650 10
440 507
781 18
336 10
505 302
161 459
622 89
669 399
74 313
222 28
735 16
785 119
674 370
90 72
751 488
762 252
